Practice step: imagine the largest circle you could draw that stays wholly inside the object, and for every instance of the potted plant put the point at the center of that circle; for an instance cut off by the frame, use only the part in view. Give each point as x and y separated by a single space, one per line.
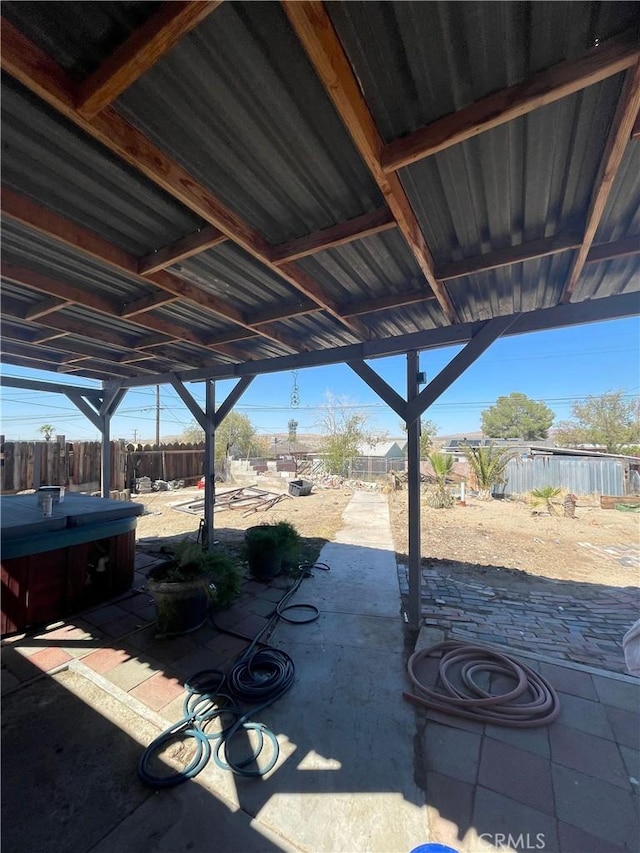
270 547
184 586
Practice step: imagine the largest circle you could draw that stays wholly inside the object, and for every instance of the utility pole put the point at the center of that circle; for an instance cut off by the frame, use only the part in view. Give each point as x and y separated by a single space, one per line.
157 416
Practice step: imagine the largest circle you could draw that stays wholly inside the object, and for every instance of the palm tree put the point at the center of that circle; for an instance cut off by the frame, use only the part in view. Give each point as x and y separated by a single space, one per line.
488 464
545 496
47 431
441 464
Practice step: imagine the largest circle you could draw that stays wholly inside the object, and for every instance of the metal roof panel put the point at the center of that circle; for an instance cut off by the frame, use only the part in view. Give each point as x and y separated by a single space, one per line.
46 157
239 106
78 35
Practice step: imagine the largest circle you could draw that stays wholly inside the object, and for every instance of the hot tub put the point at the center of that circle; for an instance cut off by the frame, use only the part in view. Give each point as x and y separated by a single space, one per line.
81 555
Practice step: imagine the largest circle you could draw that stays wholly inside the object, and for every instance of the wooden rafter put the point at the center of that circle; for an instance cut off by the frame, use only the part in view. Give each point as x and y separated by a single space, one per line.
110 307
510 255
337 235
46 306
385 303
144 47
619 137
47 222
545 87
207 238
320 41
610 251
22 59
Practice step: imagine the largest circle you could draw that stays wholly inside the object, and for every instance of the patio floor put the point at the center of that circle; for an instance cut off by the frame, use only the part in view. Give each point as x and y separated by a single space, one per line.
360 769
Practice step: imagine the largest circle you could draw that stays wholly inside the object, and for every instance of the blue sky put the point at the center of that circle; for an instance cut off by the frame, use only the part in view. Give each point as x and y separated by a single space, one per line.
556 367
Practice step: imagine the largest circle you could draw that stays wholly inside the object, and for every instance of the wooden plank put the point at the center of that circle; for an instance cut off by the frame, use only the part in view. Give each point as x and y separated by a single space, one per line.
46 306
385 303
366 225
144 47
207 238
610 501
147 303
315 31
35 70
510 255
47 222
609 251
619 138
60 289
547 86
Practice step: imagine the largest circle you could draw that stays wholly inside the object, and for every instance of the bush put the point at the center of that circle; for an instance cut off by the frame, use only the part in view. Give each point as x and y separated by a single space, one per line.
190 562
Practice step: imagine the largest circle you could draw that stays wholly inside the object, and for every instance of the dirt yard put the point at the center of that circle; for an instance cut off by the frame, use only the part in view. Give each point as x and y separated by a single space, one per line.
317 517
481 539
507 534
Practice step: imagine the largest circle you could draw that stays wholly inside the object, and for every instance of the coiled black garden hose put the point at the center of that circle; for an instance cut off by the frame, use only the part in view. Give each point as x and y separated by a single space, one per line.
258 677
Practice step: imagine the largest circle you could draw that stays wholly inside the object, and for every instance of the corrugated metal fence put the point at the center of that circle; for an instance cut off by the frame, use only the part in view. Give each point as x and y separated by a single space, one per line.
582 476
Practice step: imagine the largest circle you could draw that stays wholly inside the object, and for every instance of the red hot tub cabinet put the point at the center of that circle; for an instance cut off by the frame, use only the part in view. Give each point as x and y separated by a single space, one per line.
53 567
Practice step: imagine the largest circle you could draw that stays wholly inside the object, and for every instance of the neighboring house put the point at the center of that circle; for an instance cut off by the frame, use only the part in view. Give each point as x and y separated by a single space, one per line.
382 450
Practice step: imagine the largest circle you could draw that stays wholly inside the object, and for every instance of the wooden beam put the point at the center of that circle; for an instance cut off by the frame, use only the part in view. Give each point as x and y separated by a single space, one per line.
144 47
231 399
47 222
207 238
315 31
110 307
379 387
58 289
147 303
483 339
25 61
619 137
510 255
31 351
46 306
337 235
610 251
635 132
547 86
385 303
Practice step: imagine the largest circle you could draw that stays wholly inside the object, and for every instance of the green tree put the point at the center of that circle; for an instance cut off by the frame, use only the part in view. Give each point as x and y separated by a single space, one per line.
47 431
488 464
606 421
235 435
428 431
517 416
344 429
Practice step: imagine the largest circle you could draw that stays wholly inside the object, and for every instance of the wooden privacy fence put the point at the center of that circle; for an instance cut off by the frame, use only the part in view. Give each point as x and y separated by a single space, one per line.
29 464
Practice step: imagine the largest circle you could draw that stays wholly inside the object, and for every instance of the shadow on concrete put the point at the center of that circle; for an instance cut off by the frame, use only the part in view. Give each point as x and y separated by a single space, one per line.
356 771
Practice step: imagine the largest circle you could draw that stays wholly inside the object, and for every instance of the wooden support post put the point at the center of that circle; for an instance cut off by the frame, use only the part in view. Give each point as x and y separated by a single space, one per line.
209 463
413 486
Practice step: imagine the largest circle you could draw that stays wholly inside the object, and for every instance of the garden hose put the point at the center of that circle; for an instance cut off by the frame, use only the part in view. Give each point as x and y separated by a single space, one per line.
258 677
532 702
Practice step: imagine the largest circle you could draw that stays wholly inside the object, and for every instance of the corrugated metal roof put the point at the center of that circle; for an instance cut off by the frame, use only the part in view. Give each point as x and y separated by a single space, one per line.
404 321
375 266
237 103
317 331
608 279
232 274
621 216
528 179
417 61
192 317
48 256
78 35
533 284
46 157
